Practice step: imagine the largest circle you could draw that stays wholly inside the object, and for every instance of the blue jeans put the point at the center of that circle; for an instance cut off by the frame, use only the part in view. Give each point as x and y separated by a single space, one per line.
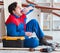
33 26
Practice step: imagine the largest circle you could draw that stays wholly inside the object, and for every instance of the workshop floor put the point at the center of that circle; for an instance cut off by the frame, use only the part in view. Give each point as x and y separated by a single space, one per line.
19 51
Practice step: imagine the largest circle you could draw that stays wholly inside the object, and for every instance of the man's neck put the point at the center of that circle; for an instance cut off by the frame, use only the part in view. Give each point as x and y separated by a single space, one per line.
16 16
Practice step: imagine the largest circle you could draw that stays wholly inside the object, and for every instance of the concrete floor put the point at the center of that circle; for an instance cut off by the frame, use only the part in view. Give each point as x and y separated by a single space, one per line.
19 51
16 51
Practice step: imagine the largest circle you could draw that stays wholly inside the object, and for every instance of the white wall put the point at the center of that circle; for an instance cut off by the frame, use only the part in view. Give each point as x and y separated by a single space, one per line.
2 21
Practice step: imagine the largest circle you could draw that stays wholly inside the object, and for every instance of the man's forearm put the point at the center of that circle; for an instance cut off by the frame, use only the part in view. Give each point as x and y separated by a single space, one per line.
28 9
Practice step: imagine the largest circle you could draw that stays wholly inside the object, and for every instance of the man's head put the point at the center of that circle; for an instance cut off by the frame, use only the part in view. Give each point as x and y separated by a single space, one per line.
14 8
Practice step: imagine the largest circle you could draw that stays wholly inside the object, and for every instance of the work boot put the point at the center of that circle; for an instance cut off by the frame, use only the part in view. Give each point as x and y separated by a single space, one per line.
42 41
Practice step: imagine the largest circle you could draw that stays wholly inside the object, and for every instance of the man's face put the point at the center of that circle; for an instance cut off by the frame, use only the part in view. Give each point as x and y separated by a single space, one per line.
17 10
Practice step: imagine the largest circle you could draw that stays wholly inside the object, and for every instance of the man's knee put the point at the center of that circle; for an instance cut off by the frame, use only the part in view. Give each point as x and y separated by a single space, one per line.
31 43
33 20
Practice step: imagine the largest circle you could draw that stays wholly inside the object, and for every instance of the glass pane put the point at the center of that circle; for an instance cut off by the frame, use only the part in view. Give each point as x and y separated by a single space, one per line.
46 21
42 1
56 22
44 4
1 0
56 5
56 0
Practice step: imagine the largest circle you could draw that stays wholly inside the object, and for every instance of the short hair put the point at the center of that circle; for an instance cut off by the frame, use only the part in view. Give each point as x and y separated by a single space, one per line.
12 7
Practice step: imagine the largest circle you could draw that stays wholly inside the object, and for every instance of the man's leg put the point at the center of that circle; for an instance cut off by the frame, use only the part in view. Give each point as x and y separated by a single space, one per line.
31 42
33 26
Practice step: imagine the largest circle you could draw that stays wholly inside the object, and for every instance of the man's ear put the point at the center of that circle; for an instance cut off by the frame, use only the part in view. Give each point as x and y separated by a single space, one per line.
13 12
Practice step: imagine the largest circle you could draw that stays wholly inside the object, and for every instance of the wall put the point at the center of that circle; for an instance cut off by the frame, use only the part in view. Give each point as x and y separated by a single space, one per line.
2 21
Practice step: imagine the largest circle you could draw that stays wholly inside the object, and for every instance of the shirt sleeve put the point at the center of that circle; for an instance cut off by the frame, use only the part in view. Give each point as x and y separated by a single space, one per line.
31 9
26 10
12 30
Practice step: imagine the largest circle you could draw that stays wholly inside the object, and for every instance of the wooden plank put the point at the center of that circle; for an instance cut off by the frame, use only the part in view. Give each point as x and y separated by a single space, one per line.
42 7
22 49
1 3
56 14
14 49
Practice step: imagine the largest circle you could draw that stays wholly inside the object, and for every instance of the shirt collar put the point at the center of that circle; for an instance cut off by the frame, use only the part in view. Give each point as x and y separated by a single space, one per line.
16 16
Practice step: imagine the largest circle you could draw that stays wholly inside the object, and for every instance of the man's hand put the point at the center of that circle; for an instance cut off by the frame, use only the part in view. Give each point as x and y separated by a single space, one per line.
27 9
28 33
30 8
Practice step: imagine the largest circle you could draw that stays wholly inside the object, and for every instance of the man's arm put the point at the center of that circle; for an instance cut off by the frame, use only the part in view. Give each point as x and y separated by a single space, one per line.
12 30
28 9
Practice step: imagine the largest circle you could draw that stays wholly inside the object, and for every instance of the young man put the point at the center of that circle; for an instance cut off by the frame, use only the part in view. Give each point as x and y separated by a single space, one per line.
16 26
